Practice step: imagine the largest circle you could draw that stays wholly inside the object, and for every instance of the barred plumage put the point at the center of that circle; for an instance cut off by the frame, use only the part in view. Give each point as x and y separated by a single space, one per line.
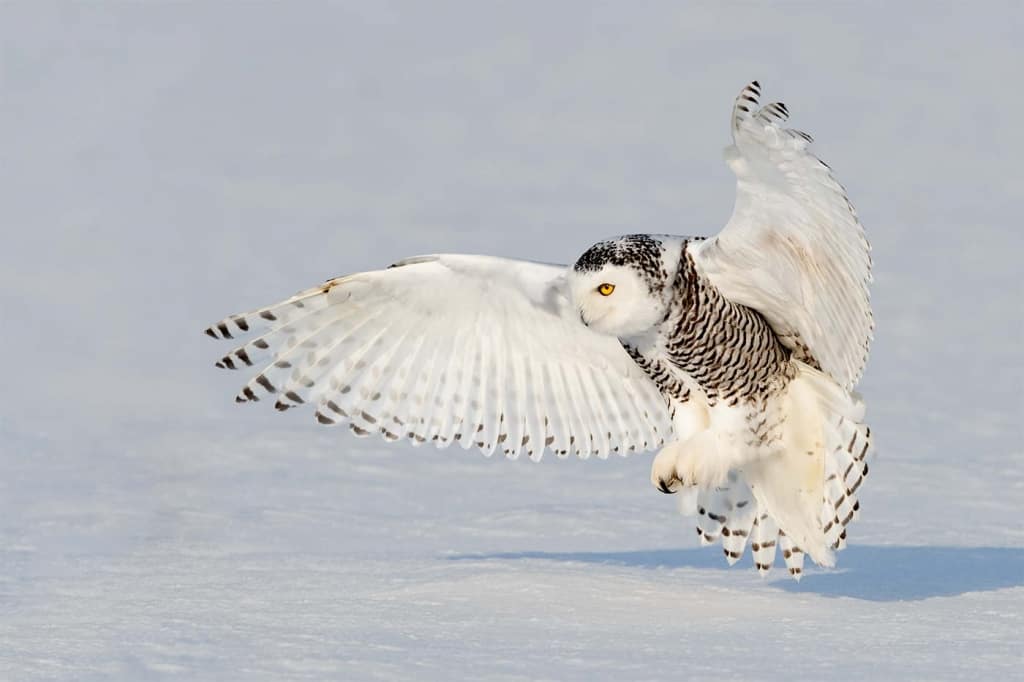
735 354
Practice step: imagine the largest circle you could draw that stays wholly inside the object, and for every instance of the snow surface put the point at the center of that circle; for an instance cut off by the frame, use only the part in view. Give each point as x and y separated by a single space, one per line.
166 164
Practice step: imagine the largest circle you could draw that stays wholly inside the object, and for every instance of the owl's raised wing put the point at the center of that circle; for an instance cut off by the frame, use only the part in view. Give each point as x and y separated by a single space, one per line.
482 351
793 249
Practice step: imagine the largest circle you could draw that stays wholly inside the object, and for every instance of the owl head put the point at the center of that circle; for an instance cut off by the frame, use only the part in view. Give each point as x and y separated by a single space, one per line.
620 286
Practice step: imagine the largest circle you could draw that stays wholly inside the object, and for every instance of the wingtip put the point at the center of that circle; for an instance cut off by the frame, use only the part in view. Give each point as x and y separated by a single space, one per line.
746 104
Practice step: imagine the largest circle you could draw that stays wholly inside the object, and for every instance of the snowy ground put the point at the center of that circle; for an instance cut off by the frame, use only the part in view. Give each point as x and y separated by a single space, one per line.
167 164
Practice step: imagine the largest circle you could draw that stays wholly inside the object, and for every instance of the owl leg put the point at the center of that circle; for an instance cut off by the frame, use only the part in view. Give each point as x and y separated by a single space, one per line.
694 461
663 470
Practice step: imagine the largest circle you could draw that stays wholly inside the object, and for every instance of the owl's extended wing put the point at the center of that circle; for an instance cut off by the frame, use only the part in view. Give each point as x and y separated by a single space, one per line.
793 249
483 351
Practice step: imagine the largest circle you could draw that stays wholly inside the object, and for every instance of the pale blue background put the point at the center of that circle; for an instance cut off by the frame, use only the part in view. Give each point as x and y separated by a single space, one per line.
164 164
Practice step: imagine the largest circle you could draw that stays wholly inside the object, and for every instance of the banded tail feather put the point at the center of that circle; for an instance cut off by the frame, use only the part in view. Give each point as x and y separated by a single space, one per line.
792 555
756 504
727 513
731 514
845 470
764 539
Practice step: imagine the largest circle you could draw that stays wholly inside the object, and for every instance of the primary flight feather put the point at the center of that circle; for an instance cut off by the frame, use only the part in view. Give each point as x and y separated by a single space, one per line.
735 356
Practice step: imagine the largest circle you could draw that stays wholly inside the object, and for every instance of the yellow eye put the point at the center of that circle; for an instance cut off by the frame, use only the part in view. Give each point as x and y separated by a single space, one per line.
606 289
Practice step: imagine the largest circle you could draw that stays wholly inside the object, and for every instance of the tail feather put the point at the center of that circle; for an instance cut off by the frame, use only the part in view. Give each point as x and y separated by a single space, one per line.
712 513
734 526
800 500
727 513
792 555
740 520
764 538
845 469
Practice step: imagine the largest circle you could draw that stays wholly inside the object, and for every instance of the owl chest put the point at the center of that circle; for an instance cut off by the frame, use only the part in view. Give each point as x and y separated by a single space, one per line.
731 376
727 351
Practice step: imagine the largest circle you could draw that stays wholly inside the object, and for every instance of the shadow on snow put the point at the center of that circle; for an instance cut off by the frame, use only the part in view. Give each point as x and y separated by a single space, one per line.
875 573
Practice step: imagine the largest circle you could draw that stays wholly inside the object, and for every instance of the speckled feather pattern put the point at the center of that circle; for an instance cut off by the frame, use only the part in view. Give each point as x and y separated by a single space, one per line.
643 253
491 353
728 349
733 357
449 350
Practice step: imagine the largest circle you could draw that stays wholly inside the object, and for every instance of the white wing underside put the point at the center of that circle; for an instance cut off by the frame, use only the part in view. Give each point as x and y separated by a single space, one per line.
793 249
485 352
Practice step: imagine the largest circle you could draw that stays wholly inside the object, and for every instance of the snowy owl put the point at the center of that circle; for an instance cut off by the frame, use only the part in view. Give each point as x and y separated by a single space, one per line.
735 356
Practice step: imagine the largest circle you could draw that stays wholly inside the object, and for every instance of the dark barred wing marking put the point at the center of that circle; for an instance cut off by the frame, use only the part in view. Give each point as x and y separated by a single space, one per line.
480 351
794 249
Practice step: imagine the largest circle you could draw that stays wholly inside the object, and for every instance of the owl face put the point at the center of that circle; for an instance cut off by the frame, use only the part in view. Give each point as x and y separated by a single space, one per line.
616 300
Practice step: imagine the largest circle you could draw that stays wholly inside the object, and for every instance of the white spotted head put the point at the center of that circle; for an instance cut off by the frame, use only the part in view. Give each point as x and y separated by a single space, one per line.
622 287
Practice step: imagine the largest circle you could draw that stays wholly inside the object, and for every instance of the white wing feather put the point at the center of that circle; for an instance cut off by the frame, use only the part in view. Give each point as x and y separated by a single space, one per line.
793 249
483 351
